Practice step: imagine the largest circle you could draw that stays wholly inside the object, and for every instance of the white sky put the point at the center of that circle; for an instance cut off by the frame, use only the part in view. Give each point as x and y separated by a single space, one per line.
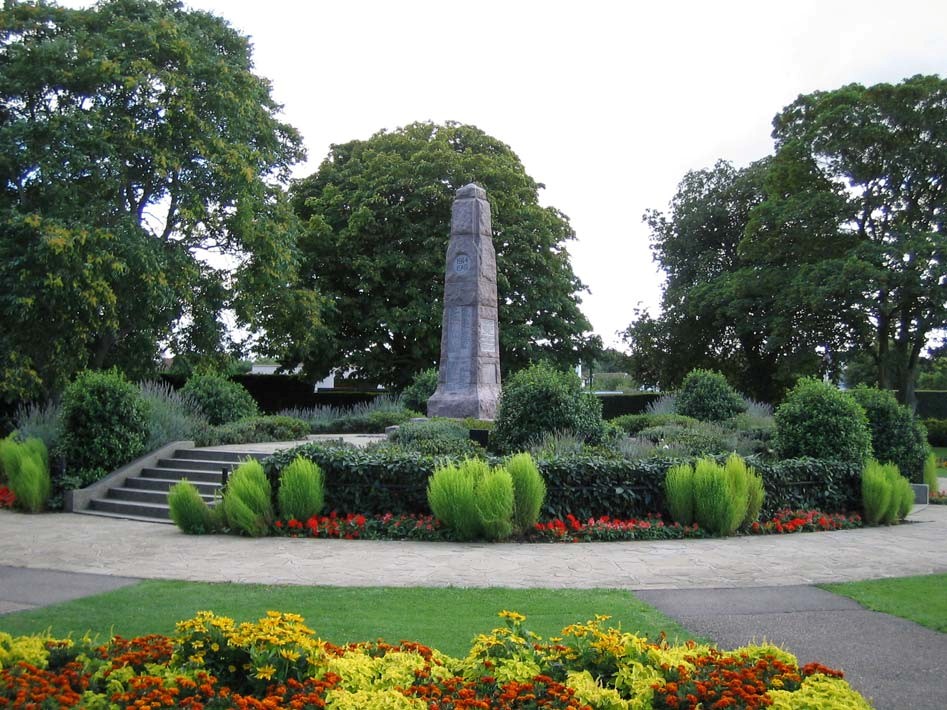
606 103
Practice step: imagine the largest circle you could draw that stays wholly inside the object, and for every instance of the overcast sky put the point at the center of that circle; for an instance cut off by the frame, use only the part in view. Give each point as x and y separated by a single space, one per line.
606 103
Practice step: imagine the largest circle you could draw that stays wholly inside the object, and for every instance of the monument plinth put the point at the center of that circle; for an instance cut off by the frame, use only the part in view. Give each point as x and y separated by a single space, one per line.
468 381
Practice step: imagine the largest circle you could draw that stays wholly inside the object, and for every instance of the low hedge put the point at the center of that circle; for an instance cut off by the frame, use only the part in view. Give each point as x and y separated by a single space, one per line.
931 404
615 405
253 430
394 481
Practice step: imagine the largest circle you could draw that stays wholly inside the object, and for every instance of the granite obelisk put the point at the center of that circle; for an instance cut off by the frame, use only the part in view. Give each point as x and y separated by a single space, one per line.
468 381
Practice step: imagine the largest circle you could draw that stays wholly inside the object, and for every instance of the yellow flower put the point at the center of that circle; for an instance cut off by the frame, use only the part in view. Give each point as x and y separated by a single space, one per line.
265 672
215 647
511 615
289 654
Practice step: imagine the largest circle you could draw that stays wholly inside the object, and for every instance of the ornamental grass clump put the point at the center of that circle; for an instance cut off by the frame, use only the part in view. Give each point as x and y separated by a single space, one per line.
246 506
25 465
529 492
679 492
301 492
473 500
930 474
714 504
494 495
189 510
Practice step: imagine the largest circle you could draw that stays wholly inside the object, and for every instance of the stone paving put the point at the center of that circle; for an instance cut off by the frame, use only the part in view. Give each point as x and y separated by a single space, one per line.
88 544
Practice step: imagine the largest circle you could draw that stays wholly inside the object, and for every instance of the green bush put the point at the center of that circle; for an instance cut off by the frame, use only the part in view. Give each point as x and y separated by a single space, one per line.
31 484
254 430
529 492
170 415
936 431
706 395
218 399
930 473
41 421
11 453
714 504
495 504
876 492
905 496
451 495
436 437
189 510
696 439
247 505
896 434
416 395
817 420
632 424
540 400
743 480
679 490
105 423
301 493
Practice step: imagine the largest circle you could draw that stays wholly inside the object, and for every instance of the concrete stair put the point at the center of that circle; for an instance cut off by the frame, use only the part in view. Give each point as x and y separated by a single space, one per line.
143 495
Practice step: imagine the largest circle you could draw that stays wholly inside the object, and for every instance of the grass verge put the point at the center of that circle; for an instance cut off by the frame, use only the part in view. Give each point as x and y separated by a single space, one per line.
920 599
447 619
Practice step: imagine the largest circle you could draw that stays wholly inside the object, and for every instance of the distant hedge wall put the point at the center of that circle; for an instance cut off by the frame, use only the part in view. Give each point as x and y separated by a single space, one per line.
615 405
384 481
273 393
932 404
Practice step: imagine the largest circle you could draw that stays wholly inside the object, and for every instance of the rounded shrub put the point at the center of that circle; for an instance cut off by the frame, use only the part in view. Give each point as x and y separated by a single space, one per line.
104 422
219 399
896 434
416 394
541 400
301 493
817 420
529 491
706 395
189 510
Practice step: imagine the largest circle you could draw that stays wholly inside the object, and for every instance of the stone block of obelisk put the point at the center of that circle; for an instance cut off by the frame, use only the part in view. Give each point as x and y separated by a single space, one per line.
468 381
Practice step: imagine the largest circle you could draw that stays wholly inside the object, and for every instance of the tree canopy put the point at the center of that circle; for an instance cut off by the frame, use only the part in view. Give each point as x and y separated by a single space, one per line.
377 222
834 245
135 140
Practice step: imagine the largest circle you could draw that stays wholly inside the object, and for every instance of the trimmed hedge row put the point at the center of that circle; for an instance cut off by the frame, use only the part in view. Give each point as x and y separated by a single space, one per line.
932 404
391 481
615 405
274 393
936 431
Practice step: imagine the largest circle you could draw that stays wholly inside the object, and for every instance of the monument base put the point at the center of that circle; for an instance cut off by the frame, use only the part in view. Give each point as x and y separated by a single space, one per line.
476 404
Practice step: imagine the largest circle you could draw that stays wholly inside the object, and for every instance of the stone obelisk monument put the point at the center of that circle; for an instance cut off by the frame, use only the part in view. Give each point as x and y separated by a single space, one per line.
468 382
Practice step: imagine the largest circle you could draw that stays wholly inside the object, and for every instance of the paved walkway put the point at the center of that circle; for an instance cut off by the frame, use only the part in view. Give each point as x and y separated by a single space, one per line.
89 544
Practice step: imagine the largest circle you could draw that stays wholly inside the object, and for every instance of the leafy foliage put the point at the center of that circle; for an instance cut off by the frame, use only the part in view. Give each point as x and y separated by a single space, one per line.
105 422
896 434
540 400
219 399
189 510
253 430
435 437
416 394
135 136
301 493
707 396
817 420
936 431
377 216
632 424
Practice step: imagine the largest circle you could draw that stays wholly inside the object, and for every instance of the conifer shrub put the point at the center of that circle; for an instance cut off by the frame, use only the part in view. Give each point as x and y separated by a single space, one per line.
679 493
301 493
818 421
220 400
706 395
451 495
930 473
105 423
247 501
896 433
541 400
189 510
877 493
529 491
495 501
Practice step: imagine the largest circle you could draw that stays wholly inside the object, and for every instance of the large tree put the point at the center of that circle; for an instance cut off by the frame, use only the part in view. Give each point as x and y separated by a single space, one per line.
377 216
860 177
718 310
135 139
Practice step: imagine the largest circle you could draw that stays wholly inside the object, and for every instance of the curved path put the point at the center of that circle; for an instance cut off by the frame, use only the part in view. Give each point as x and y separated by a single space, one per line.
81 543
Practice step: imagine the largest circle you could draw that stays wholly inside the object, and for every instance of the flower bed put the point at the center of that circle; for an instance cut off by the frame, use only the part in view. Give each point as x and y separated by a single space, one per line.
571 529
278 662
7 499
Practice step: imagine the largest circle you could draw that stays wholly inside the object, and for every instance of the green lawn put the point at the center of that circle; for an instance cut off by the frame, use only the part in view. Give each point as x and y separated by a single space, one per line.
446 619
920 599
